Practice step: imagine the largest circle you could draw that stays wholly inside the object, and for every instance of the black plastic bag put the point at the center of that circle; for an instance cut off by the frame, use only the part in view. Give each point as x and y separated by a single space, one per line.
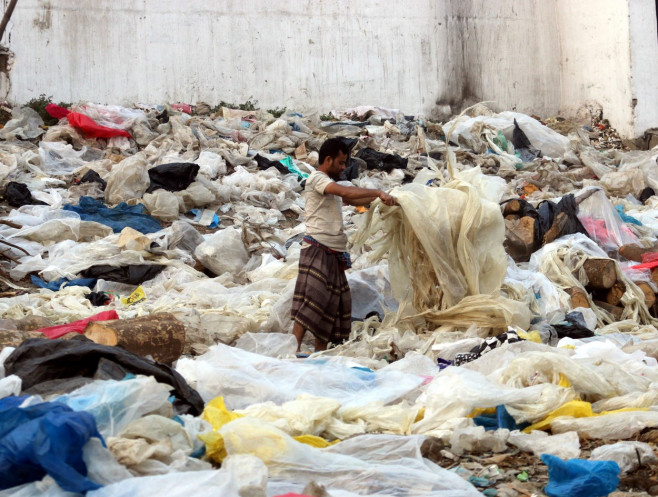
39 360
522 144
18 195
646 194
92 176
265 163
132 275
352 169
172 177
381 161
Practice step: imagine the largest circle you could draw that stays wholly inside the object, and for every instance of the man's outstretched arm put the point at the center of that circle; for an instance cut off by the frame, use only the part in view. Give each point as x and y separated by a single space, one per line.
353 195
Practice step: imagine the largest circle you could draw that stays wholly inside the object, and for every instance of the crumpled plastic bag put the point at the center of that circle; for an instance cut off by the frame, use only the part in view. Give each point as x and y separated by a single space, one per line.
127 179
628 455
25 124
162 205
114 404
223 252
459 391
11 385
580 477
475 439
155 445
59 158
565 445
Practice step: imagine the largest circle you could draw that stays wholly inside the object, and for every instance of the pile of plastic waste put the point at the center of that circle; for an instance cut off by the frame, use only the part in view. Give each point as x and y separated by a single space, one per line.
504 336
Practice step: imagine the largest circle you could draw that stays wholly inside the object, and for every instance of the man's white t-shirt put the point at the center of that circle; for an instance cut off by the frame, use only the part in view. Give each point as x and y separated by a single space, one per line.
324 213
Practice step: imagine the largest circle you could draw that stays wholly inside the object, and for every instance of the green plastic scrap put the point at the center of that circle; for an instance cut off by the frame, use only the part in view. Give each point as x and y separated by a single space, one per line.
501 141
292 168
490 492
523 476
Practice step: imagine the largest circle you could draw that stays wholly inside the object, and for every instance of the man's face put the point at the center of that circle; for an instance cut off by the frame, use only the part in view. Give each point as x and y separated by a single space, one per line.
336 166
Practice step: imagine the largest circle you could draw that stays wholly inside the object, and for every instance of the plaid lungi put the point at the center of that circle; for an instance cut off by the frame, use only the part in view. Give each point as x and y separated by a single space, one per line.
322 303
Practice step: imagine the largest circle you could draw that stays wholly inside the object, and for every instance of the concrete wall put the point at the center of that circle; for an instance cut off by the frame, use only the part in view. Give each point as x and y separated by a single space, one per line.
644 63
595 58
421 56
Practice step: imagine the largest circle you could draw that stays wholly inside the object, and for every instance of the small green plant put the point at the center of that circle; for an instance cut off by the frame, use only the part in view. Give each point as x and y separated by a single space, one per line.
326 117
39 106
249 105
276 112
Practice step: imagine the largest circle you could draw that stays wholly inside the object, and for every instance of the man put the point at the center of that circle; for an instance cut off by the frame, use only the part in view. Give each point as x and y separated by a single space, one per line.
322 303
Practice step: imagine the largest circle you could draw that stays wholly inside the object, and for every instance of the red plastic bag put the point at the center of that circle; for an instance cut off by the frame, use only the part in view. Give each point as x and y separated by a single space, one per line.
92 130
77 326
56 111
649 261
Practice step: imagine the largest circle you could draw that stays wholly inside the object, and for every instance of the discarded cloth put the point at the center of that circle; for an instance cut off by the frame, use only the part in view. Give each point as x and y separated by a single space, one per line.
45 438
118 217
39 360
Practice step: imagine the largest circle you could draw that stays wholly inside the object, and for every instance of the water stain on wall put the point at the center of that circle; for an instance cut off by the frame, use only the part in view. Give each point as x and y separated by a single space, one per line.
44 18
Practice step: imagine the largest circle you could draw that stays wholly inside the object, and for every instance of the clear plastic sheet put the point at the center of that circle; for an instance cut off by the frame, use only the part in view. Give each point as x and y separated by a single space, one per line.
114 404
243 378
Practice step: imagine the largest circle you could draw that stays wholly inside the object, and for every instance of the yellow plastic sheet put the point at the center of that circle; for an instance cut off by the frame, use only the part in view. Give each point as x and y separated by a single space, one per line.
218 415
574 409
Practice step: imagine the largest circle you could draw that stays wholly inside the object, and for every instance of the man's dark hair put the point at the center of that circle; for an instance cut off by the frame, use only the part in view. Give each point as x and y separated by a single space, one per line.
331 148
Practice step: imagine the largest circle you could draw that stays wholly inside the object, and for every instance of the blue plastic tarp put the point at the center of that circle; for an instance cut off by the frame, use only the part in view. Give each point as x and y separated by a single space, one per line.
118 217
45 438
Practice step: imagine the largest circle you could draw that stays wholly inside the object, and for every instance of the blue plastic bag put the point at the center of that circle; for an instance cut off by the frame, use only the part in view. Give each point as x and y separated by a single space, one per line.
501 419
55 285
580 477
117 218
45 438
